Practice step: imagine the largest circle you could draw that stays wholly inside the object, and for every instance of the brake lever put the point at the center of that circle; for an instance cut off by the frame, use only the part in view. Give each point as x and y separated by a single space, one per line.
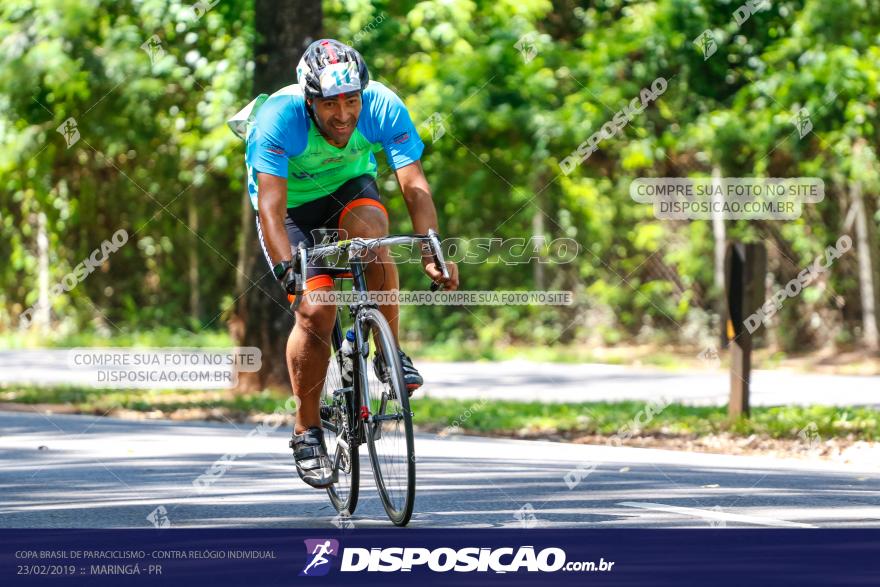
299 279
437 253
297 295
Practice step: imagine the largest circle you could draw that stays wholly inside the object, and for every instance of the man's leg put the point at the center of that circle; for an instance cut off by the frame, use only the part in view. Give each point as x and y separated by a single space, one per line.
370 222
362 215
308 354
308 346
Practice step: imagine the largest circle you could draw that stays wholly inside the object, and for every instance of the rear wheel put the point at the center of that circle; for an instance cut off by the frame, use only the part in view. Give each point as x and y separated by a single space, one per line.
389 426
336 410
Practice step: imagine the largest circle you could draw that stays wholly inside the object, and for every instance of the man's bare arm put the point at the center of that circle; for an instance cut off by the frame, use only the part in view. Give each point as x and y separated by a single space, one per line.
420 203
272 207
417 195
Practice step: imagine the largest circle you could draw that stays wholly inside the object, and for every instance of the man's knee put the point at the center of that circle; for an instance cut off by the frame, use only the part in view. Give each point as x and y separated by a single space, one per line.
366 222
316 319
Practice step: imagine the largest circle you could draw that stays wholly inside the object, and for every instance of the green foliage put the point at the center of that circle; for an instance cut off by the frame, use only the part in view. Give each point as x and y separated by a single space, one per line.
152 157
610 419
629 418
155 153
509 121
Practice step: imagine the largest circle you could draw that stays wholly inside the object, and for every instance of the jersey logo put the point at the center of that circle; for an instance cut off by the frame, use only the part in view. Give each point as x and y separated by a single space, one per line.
331 160
275 149
401 138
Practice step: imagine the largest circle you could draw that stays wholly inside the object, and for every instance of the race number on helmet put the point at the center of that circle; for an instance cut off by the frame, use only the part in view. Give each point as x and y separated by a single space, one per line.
329 68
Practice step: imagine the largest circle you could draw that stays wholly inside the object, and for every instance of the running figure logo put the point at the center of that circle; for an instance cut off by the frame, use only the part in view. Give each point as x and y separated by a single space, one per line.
317 551
706 43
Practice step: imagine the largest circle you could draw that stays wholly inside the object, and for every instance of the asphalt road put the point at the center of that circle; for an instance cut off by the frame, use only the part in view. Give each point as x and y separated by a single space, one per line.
84 471
548 382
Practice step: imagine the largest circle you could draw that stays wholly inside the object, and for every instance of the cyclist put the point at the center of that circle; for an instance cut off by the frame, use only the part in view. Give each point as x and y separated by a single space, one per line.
310 165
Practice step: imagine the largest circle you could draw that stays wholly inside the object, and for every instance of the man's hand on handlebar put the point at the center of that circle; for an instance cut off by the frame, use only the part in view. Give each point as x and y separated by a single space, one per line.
288 278
289 283
431 269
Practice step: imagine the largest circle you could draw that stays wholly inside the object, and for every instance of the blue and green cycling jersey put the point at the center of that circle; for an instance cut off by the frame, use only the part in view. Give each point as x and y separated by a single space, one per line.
283 140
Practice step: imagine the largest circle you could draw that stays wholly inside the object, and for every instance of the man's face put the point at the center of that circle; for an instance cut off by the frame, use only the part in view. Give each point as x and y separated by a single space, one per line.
338 116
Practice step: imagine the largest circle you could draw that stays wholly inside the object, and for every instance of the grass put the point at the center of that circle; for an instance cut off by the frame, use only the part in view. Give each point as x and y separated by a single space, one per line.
144 338
533 419
99 401
620 418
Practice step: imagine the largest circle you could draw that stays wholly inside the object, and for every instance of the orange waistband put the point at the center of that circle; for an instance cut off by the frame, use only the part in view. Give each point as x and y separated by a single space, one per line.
313 283
361 202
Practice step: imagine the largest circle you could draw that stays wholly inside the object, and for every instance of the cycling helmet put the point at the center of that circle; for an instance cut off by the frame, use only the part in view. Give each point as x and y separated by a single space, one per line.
329 68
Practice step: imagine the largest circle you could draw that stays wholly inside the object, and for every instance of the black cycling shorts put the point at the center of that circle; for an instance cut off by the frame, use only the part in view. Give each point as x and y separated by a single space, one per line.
304 222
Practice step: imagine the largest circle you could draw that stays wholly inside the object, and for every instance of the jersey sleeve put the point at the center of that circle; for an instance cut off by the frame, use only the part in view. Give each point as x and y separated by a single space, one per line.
390 125
279 132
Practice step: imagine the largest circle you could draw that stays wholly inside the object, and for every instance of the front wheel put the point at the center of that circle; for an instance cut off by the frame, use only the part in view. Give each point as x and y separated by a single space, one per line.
389 428
337 406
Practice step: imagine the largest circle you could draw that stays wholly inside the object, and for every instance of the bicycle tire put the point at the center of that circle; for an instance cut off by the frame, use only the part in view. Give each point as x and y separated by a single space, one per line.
396 482
336 414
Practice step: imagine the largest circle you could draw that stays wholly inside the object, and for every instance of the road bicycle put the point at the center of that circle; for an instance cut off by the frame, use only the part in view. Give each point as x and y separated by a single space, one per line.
373 407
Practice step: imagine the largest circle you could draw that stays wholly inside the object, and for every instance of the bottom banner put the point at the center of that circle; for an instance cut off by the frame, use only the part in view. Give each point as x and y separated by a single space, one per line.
253 557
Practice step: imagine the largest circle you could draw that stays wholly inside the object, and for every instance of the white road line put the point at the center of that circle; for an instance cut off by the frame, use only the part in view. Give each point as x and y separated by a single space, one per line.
714 515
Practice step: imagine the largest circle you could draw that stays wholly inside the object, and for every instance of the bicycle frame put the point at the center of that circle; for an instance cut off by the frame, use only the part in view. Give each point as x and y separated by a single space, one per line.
360 414
358 401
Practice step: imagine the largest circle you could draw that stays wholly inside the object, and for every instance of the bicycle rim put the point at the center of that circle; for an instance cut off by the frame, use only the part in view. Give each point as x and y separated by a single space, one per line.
336 422
389 429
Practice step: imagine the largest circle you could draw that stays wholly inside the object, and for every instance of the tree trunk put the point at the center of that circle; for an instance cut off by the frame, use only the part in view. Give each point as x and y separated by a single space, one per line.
284 29
42 313
537 242
195 300
245 252
720 237
867 284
